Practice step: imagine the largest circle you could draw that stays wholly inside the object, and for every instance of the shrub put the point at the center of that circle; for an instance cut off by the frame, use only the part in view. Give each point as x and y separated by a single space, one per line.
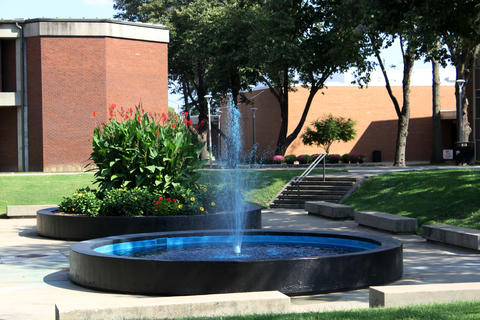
304 158
290 159
345 158
278 159
140 202
333 158
127 202
83 201
357 158
135 149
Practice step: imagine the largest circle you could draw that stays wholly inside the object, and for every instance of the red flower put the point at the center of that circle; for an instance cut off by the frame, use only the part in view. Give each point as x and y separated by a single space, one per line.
121 108
174 200
157 203
113 106
197 127
156 207
169 200
103 123
164 117
125 116
173 125
111 112
139 119
130 110
186 114
94 114
202 122
160 198
143 111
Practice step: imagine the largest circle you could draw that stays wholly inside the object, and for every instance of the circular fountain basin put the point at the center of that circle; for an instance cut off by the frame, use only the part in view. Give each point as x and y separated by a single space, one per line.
203 262
57 225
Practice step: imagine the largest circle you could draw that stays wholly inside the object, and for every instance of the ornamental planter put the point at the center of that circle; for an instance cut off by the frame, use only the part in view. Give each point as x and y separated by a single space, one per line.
58 225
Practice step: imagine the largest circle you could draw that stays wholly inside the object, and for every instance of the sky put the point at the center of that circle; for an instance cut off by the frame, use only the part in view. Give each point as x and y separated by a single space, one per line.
30 9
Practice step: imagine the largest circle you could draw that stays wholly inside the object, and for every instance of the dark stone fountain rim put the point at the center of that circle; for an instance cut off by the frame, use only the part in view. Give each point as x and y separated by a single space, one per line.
293 276
88 247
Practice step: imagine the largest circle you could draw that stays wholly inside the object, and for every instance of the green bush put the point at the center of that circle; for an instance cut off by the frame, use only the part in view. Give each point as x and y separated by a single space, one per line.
140 202
345 158
83 201
290 159
304 158
137 150
127 202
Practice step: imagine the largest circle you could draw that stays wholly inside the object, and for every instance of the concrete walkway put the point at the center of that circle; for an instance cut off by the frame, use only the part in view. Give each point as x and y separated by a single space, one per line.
34 270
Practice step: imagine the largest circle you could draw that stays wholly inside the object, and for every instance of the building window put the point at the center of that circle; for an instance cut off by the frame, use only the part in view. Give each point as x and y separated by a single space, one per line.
8 65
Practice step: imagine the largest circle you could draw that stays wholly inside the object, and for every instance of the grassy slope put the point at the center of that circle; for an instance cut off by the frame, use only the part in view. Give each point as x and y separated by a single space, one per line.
263 185
436 196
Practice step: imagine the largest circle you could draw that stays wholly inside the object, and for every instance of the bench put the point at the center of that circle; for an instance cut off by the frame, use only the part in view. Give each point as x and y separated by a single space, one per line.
26 211
386 221
328 209
457 236
394 296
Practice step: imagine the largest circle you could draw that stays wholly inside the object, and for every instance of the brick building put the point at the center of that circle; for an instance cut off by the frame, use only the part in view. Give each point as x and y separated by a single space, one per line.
54 73
371 109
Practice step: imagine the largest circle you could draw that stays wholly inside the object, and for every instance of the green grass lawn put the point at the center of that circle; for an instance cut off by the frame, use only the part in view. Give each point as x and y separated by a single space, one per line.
49 189
435 196
450 311
43 189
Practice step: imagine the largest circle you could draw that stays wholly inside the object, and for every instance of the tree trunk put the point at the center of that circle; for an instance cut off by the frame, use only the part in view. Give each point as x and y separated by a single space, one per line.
282 95
436 120
404 117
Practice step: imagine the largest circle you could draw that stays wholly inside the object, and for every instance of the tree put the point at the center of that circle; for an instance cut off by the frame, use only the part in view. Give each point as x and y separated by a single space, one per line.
304 42
385 22
328 130
457 22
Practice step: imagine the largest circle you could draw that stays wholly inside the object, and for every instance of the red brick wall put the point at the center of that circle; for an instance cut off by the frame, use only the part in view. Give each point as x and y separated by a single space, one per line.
137 71
371 108
77 76
8 139
73 86
35 119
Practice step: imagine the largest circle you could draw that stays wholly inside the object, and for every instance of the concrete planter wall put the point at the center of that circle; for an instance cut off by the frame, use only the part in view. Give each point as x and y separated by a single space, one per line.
56 225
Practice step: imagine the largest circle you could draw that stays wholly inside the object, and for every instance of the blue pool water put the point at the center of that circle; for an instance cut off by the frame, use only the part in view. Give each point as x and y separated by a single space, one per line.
218 248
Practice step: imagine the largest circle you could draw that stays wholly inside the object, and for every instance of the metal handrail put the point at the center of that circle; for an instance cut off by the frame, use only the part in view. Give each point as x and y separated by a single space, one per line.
312 166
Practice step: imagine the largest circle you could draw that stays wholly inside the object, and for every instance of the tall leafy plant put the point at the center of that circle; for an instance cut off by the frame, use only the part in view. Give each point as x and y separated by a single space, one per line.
138 149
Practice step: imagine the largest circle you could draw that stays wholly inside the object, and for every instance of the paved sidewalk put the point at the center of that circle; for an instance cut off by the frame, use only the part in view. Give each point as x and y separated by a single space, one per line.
34 270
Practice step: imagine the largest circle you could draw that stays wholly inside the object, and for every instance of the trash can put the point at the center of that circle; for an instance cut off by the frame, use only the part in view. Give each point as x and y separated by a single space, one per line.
464 152
377 156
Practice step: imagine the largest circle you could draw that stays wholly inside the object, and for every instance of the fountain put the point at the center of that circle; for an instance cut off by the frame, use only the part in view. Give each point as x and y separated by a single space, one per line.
235 260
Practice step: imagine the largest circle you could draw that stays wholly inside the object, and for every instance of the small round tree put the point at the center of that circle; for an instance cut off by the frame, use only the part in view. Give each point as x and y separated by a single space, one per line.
328 130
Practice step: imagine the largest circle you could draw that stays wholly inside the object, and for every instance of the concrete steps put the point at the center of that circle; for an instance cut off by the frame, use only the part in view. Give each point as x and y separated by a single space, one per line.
332 190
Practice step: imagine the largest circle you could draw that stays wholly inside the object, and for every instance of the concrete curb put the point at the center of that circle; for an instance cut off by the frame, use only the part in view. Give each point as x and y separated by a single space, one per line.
26 211
214 305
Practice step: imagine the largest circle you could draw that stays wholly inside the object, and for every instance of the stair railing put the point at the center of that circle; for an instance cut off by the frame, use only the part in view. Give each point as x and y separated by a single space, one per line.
321 158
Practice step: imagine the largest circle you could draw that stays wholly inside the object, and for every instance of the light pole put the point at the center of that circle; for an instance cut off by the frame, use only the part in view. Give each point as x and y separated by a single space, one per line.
254 132
460 83
209 98
253 124
219 141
